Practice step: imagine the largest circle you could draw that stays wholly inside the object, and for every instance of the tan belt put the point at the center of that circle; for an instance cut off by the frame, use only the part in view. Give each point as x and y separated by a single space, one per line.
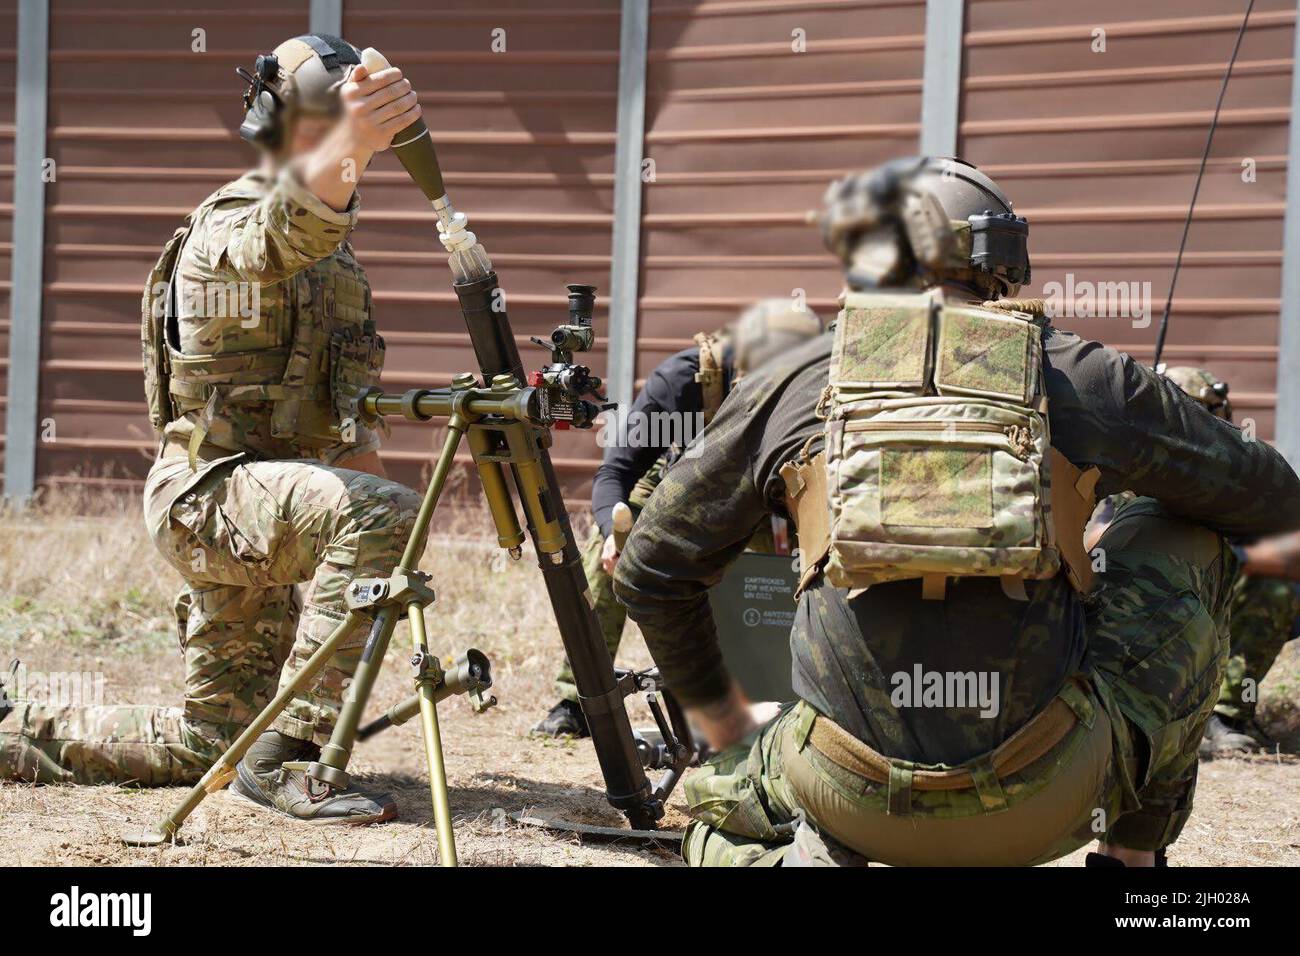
1018 751
176 447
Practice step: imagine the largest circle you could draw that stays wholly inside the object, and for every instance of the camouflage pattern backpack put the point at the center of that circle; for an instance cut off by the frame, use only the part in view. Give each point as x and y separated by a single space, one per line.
937 453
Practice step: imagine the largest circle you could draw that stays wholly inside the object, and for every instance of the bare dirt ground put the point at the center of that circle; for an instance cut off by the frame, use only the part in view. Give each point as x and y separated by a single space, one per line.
90 594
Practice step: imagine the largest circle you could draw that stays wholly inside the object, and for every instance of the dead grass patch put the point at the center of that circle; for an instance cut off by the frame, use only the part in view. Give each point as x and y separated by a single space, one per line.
81 588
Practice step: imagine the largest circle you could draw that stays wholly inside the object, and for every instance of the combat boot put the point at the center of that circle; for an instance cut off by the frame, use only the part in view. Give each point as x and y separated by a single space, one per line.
1224 736
263 778
566 719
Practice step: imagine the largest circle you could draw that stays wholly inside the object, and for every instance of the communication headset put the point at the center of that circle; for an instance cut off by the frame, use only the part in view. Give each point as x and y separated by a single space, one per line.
301 75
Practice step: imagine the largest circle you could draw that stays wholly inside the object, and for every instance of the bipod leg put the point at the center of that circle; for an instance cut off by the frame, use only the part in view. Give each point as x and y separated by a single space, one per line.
386 597
428 675
220 773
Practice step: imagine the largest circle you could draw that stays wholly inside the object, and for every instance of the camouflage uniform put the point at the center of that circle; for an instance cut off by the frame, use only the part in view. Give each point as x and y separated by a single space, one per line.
695 381
1136 663
1265 612
255 503
611 614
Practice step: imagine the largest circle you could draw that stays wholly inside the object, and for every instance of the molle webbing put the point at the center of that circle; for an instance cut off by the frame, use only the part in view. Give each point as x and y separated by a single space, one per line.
200 393
936 445
1027 745
1073 499
231 368
154 329
710 376
235 378
1034 307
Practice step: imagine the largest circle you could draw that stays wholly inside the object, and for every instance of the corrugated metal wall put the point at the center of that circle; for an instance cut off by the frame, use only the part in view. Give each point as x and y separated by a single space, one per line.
526 140
141 128
1099 149
745 133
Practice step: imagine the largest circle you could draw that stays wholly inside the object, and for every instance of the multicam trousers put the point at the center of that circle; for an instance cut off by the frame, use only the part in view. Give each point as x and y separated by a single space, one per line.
1264 618
242 534
609 612
1158 642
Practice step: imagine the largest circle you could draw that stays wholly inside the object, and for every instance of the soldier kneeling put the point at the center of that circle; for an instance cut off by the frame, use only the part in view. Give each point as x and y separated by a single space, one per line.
974 688
258 335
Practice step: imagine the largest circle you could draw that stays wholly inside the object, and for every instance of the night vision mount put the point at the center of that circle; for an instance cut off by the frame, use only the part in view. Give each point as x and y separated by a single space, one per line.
1000 240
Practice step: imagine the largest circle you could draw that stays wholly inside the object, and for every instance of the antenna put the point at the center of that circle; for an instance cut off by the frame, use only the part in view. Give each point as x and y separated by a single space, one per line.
1205 156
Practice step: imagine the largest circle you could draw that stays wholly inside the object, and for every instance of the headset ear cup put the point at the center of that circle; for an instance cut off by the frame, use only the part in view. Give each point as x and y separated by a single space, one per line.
262 124
929 232
274 125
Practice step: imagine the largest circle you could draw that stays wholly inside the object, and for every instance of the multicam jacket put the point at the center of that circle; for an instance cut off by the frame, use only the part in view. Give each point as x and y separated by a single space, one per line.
272 335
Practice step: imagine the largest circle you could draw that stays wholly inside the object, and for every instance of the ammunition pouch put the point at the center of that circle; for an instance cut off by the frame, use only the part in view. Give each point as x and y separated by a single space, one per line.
937 459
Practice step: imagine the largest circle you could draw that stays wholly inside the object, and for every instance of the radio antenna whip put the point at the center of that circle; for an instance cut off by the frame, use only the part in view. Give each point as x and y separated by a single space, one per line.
1187 225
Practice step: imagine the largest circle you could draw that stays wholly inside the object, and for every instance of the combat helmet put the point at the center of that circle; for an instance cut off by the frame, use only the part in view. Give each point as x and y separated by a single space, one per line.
923 220
768 328
300 77
1202 385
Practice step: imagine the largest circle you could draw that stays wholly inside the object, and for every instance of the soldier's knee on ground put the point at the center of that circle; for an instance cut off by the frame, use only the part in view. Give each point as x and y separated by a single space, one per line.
1159 822
705 845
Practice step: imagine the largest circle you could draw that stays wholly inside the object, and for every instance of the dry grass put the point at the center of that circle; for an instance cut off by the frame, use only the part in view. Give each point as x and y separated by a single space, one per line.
81 588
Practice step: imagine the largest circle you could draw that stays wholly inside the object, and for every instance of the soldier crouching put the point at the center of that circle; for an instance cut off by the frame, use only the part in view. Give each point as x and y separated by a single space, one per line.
686 387
939 456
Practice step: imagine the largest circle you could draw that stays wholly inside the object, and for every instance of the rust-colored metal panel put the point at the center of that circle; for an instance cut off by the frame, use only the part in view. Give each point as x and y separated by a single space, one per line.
1099 148
521 98
745 132
142 128
142 117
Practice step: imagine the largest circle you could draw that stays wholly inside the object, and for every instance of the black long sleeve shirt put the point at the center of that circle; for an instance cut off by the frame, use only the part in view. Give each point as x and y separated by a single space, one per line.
671 388
1105 409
